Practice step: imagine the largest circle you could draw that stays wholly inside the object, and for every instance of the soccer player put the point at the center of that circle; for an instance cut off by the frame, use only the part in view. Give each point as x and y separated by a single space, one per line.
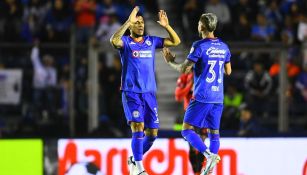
138 85
209 58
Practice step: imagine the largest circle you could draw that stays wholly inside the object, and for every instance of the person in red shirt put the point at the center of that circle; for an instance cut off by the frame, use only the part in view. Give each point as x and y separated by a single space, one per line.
184 93
85 13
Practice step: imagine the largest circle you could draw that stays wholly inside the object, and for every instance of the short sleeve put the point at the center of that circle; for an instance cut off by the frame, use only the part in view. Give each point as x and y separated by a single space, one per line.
228 57
158 42
124 39
195 53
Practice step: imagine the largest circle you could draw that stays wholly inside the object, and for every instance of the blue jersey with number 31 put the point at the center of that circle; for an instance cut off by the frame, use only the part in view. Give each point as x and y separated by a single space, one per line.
209 56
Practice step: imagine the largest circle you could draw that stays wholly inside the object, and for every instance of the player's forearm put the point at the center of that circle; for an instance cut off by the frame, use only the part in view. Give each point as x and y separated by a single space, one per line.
178 67
173 37
117 36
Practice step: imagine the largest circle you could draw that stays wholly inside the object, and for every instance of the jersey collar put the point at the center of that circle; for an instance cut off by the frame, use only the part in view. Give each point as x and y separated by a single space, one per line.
212 39
139 42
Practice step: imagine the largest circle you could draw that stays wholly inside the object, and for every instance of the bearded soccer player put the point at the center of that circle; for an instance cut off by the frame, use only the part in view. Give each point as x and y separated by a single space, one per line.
137 53
209 58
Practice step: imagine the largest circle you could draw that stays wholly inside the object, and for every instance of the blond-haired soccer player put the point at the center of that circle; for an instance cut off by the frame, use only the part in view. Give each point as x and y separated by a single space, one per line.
210 59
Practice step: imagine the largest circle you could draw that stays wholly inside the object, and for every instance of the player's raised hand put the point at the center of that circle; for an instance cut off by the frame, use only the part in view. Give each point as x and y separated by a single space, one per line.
132 17
163 20
168 55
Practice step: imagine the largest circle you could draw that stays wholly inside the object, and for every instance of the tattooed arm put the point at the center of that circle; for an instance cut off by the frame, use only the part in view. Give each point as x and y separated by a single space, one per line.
184 67
116 38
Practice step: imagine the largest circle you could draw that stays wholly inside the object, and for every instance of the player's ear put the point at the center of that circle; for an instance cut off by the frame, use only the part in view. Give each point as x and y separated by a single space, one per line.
202 28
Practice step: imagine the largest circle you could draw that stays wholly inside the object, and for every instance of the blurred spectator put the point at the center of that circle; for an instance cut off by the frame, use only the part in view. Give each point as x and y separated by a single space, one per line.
292 69
85 11
301 83
37 9
220 9
287 39
273 15
224 17
108 24
33 17
190 17
44 82
262 31
11 13
302 36
288 32
248 125
58 22
232 101
242 28
246 7
294 12
106 8
44 74
258 84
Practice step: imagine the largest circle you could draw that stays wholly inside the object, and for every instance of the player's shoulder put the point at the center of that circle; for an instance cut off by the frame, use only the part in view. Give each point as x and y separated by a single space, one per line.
223 44
198 43
150 37
125 37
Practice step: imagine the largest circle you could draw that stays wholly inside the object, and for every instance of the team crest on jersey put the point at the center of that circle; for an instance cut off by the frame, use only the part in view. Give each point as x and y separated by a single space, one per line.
136 114
148 42
192 50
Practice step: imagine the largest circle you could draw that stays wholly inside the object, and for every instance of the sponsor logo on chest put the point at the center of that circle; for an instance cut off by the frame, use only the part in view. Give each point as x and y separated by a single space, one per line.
214 52
142 54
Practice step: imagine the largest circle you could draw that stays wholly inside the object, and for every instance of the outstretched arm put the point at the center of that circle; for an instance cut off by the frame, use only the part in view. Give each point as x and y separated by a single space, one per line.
169 58
116 38
173 39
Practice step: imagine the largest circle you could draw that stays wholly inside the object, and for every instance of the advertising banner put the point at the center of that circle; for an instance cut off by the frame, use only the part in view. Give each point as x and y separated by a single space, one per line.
21 157
269 156
10 86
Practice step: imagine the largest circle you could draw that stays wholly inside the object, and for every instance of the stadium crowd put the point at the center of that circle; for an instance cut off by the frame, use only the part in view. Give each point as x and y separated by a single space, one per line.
43 108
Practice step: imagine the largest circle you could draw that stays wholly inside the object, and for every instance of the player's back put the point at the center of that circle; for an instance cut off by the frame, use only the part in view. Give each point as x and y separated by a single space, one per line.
210 56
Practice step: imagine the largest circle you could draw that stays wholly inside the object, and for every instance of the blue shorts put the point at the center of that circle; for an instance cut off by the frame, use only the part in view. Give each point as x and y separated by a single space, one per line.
204 115
141 107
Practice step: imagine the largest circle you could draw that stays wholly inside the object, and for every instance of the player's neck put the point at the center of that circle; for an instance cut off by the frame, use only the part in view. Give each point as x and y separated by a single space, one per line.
208 35
137 38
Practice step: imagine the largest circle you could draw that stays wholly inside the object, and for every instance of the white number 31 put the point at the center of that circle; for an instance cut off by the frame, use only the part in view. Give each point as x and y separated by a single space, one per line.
212 72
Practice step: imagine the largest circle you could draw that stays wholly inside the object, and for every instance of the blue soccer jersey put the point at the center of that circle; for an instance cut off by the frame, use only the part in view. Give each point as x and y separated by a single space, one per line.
138 64
209 56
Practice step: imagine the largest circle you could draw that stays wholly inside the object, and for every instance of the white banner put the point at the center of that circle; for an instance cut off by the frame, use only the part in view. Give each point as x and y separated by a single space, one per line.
10 86
269 156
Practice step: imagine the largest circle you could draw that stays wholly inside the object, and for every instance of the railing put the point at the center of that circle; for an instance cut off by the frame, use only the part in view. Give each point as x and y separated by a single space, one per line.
93 51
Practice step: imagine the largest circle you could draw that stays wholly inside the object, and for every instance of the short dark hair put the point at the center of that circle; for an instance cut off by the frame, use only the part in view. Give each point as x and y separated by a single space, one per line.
209 20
